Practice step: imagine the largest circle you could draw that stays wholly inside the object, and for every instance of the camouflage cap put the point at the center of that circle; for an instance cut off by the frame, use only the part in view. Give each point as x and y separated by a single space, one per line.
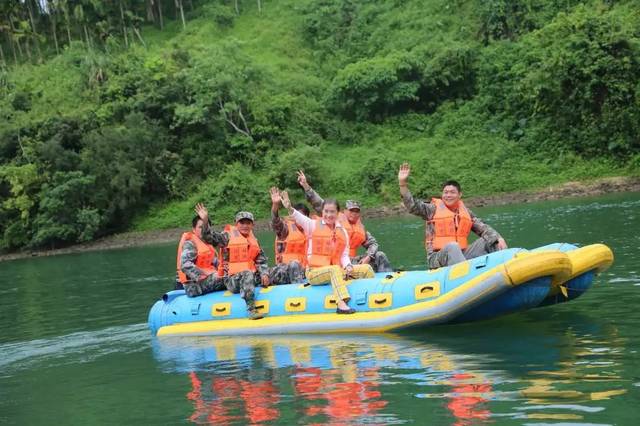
244 215
352 204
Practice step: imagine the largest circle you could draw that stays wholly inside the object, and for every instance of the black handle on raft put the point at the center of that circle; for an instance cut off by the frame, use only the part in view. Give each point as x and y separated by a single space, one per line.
332 301
380 301
295 304
221 309
427 287
259 306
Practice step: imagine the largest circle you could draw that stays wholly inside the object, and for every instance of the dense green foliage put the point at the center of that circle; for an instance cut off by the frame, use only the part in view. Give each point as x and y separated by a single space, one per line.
138 117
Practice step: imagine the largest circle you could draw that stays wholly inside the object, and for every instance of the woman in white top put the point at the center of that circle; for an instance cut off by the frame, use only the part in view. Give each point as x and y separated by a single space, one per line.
328 251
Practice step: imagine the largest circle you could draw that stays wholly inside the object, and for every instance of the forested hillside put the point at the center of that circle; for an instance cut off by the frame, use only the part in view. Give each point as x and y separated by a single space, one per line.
119 114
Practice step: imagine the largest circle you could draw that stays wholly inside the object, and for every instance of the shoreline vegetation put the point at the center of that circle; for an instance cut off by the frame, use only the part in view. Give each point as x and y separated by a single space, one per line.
121 116
160 236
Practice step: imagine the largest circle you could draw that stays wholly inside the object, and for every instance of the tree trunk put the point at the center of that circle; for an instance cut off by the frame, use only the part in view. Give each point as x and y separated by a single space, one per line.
15 42
137 33
151 14
181 9
259 7
27 48
67 24
124 28
191 5
86 35
235 2
4 62
52 17
34 29
13 48
159 2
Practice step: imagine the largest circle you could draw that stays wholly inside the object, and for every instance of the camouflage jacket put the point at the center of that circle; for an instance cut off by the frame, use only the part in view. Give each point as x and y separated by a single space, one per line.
188 258
370 243
426 210
279 226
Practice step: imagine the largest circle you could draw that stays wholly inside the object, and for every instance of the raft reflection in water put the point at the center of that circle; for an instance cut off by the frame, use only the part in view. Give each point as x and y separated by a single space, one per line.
462 376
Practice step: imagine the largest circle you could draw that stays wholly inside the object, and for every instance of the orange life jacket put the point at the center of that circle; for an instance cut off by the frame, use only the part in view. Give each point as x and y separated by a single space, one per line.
239 254
327 245
205 260
294 247
449 226
357 234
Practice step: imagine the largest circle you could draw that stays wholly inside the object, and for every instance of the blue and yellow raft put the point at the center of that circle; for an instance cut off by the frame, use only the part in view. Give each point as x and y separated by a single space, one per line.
485 287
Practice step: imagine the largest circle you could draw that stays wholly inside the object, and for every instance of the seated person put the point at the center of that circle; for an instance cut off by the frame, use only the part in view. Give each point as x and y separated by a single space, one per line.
448 224
328 251
358 235
240 261
290 244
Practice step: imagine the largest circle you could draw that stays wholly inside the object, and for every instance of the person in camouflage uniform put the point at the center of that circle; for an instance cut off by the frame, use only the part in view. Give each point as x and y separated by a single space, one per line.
243 282
489 240
374 256
293 271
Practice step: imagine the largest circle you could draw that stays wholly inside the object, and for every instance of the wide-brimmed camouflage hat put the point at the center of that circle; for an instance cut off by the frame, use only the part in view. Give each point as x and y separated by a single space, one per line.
244 215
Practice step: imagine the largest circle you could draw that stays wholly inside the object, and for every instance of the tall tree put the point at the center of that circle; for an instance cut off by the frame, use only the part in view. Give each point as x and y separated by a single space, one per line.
180 9
124 26
53 12
80 15
34 29
65 10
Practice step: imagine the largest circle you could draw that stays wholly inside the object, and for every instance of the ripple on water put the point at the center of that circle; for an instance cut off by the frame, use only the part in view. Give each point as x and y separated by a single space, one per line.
79 347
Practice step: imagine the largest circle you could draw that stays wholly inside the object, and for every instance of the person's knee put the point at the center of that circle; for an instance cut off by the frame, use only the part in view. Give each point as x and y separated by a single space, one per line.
294 265
192 290
453 246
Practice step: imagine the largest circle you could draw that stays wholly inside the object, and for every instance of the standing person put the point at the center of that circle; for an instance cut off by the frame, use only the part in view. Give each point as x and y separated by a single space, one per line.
358 235
448 223
240 260
290 245
328 251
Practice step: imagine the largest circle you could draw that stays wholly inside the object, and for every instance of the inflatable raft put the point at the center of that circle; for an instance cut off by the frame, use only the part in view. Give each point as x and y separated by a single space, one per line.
508 281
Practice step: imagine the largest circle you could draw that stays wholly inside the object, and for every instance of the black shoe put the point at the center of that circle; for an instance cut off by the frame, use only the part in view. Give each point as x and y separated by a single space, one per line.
345 311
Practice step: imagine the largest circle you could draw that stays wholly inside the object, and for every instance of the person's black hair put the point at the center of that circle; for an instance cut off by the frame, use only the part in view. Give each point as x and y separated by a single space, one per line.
194 221
302 208
452 182
331 201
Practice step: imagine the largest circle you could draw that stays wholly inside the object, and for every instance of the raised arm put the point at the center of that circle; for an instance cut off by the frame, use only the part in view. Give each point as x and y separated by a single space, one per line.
216 239
312 196
416 207
277 224
304 222
403 177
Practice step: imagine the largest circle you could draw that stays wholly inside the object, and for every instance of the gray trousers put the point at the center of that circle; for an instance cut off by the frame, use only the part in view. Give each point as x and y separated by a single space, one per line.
452 253
379 262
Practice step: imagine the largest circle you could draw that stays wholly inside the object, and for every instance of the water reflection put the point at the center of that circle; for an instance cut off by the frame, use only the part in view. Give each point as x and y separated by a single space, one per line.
557 369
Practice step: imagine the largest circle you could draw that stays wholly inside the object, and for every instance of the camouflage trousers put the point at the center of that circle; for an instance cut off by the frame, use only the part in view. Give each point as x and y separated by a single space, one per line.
286 273
379 262
452 253
243 282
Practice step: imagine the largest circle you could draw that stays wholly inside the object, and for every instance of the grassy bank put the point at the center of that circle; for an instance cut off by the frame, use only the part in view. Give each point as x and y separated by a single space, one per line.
504 96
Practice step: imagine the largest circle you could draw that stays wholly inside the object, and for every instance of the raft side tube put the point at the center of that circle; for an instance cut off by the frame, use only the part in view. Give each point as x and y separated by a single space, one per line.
526 266
435 311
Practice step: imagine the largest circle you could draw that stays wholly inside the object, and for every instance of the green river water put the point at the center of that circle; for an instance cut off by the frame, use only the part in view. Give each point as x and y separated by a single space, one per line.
75 348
